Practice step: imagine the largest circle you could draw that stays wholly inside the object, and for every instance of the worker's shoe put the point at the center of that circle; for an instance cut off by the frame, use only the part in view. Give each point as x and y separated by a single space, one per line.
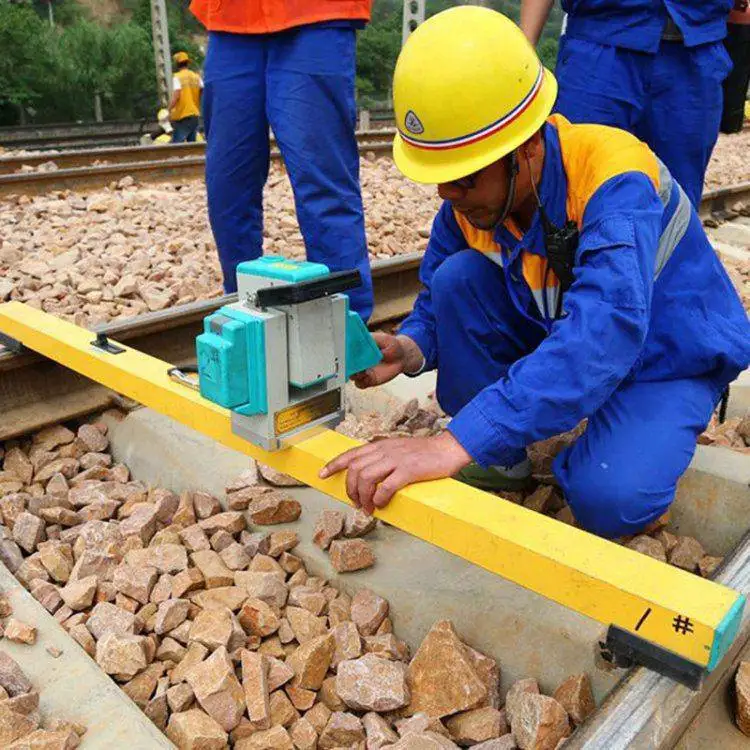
497 478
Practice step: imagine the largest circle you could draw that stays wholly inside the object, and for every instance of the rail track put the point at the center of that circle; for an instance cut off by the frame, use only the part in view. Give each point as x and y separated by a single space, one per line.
718 203
99 156
35 392
84 135
73 135
96 168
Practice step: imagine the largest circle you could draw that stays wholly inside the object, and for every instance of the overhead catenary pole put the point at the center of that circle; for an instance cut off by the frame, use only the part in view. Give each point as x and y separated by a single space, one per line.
413 15
162 57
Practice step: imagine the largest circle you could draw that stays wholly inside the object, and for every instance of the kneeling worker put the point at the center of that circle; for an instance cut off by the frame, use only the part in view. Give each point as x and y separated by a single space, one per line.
567 276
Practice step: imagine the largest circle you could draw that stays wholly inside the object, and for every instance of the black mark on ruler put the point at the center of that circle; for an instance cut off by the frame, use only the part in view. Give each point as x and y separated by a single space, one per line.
643 619
682 625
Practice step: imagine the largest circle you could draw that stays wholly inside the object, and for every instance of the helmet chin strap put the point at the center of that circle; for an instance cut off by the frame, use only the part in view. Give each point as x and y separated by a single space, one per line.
545 219
511 199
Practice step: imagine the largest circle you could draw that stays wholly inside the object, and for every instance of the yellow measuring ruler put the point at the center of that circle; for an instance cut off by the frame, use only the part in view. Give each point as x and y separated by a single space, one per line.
682 616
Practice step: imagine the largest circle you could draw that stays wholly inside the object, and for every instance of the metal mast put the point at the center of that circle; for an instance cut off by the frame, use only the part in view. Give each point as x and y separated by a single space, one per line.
413 16
162 57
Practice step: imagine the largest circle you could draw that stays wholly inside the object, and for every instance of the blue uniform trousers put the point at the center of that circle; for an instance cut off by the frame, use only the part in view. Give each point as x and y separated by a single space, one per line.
185 130
622 472
671 100
301 83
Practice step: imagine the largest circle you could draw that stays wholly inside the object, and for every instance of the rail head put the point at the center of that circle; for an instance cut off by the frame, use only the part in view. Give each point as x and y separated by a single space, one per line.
719 202
158 164
386 273
647 710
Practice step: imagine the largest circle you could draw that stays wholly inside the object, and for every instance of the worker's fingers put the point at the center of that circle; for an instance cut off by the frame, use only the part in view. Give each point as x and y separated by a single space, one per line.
351 478
362 379
377 375
366 379
353 474
383 339
390 366
389 346
390 486
367 507
342 461
369 476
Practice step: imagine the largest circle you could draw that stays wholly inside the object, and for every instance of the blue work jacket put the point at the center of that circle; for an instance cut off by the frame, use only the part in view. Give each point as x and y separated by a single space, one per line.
638 24
650 299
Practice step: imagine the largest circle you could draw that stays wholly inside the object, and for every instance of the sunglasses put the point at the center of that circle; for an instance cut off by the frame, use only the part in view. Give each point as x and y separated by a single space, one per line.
468 182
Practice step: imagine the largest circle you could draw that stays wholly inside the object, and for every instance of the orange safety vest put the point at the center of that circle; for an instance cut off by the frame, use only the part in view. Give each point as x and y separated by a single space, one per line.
189 103
267 16
591 155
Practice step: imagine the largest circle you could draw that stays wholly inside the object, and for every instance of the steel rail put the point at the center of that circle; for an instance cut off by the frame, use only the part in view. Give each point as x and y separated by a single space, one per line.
12 164
151 170
113 132
35 392
719 202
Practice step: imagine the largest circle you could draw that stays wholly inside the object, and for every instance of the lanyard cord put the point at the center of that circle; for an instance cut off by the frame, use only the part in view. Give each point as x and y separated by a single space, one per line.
560 244
511 199
547 228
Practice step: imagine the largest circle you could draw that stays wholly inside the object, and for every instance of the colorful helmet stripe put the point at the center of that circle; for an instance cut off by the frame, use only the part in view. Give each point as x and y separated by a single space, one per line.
486 132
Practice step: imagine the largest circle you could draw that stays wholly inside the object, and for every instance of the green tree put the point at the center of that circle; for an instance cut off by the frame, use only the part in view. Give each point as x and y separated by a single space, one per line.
183 26
62 72
377 49
379 44
24 58
84 67
132 86
108 67
64 12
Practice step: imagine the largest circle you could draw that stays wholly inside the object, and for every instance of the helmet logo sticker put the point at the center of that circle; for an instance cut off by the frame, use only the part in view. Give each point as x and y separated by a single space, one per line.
413 123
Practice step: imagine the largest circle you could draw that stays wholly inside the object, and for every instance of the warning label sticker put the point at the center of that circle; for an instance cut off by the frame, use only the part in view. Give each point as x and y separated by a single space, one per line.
298 415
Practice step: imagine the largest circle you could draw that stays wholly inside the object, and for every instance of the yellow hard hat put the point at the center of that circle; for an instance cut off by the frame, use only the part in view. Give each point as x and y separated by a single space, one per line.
181 57
467 90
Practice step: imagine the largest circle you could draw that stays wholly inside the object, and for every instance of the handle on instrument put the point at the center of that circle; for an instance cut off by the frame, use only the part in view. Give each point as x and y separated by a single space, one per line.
181 375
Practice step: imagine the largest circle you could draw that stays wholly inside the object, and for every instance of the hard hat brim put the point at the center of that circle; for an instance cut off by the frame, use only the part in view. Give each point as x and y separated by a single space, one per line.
434 166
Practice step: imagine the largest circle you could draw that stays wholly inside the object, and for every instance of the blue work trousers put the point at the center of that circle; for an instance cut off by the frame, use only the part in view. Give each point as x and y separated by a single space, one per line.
185 130
301 83
671 100
622 472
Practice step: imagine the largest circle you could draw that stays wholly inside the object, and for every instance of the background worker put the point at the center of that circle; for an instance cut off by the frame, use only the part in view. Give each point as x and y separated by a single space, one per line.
185 105
566 277
652 67
293 70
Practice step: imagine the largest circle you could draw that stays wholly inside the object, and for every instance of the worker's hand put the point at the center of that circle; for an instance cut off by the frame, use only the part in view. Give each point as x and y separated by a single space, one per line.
376 471
399 352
